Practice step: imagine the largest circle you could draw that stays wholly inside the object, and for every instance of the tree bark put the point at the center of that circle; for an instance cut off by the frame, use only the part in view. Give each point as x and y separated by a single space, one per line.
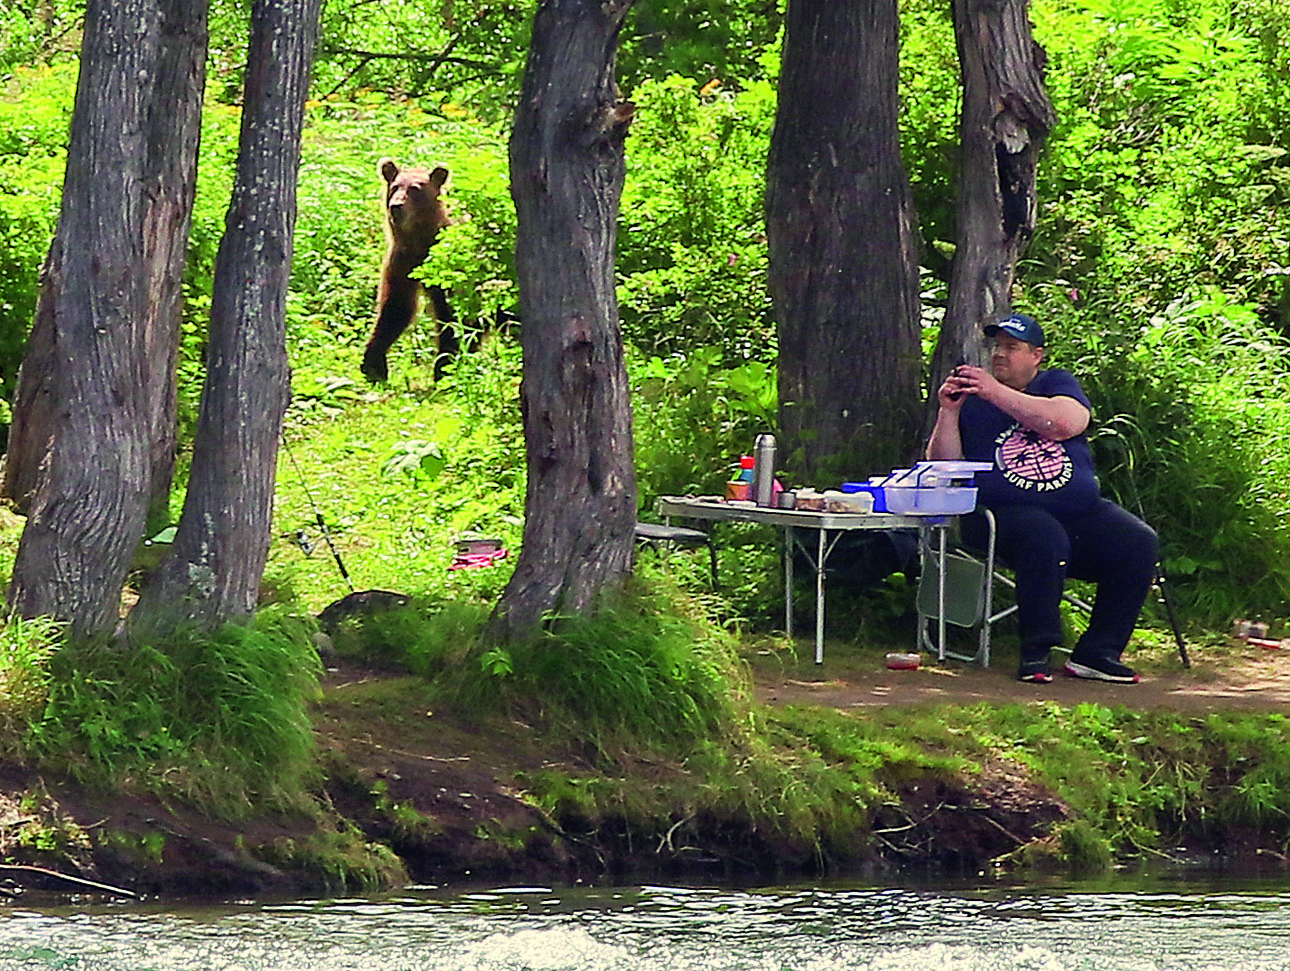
567 170
90 485
213 572
174 136
1006 117
175 87
843 270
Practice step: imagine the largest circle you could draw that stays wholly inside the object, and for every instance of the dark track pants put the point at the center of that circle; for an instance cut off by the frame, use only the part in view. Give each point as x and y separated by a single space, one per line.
1107 545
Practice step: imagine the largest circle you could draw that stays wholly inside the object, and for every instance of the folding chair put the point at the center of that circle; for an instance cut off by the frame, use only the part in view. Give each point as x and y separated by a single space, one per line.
651 534
969 597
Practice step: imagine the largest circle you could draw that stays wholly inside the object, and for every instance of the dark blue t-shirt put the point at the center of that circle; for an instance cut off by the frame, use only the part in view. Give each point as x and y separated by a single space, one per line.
1030 469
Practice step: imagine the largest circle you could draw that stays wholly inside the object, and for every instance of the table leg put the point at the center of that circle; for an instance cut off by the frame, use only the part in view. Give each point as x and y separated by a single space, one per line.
940 596
819 600
788 581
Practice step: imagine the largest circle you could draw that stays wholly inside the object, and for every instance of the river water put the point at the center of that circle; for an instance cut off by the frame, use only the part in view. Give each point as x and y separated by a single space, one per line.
1167 927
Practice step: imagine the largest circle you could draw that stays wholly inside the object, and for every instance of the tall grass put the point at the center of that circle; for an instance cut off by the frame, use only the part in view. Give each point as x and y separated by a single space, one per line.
645 670
25 649
220 719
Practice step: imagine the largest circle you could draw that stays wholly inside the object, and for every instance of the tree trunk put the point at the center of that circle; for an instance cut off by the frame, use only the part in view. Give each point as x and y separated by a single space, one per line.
170 178
843 268
213 572
567 171
90 488
35 415
1005 118
174 127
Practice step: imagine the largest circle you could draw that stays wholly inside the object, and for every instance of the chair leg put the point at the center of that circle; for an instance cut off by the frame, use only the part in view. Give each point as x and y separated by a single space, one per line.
983 649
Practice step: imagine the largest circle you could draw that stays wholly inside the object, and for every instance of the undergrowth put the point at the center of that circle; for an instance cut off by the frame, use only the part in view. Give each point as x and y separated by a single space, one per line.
219 719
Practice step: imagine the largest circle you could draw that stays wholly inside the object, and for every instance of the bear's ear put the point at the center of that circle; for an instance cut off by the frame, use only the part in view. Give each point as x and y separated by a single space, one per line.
388 168
438 177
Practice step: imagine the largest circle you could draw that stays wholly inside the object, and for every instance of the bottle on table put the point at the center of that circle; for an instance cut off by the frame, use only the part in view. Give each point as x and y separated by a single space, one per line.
763 491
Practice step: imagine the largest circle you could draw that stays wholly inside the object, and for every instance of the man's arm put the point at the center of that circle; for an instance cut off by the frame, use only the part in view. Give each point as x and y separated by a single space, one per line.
1058 418
946 441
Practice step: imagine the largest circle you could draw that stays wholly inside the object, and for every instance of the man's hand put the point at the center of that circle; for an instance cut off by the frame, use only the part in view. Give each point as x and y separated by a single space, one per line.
964 380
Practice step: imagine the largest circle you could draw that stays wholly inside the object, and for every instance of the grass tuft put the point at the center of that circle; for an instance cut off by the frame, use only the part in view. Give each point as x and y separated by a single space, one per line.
220 719
638 672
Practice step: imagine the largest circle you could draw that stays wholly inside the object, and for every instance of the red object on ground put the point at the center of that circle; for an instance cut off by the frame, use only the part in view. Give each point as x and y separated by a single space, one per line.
473 561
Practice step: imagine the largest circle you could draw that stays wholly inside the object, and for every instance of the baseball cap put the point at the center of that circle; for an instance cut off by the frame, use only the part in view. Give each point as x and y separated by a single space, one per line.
1019 326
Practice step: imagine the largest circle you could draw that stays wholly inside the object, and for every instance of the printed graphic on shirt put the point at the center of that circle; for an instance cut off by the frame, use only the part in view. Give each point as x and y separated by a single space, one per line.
1028 460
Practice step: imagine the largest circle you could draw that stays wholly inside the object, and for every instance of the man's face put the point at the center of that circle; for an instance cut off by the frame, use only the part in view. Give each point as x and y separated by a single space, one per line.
1014 362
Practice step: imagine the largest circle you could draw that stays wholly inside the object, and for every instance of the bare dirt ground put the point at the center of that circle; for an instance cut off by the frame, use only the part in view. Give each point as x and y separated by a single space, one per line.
1241 677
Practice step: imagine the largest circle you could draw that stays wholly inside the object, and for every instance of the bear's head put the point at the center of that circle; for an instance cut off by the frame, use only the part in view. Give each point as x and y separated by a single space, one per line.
412 202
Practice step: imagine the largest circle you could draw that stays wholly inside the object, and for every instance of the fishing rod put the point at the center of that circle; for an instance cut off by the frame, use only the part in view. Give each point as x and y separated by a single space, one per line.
1161 581
318 516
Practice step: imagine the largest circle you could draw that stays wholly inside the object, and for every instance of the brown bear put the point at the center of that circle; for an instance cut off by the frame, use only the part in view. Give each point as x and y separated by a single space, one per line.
414 215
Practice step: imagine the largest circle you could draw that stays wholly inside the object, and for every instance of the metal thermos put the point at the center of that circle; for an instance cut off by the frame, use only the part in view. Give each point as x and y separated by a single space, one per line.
764 470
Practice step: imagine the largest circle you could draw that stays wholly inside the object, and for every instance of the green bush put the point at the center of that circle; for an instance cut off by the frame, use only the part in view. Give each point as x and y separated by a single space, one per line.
691 240
646 669
1167 168
25 649
221 719
1191 420
35 112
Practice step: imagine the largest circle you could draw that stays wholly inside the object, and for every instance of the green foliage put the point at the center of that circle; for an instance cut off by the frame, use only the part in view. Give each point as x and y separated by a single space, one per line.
473 51
426 638
220 719
397 531
1168 166
638 672
692 249
1191 411
693 418
1136 777
929 87
416 459
1256 754
341 859
38 33
25 649
35 112
1159 257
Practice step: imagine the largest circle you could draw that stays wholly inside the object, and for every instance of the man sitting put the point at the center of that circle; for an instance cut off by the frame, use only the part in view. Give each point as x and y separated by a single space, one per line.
1052 521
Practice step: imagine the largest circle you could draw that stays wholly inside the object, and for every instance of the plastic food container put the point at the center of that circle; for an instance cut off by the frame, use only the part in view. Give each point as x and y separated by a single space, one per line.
874 490
857 502
940 488
809 500
904 662
937 501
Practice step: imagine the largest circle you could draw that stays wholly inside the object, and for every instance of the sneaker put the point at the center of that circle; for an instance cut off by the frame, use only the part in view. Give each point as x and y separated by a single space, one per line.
1034 672
1101 669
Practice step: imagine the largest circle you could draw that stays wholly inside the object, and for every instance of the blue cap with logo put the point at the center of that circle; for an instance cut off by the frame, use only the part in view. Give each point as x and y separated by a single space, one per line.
1019 326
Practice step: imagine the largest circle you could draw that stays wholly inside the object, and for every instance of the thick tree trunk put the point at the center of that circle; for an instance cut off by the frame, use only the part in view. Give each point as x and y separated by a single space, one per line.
1005 119
567 171
843 254
90 489
213 572
170 178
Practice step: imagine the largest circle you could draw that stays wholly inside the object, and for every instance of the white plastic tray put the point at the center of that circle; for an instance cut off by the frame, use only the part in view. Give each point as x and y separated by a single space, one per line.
930 502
